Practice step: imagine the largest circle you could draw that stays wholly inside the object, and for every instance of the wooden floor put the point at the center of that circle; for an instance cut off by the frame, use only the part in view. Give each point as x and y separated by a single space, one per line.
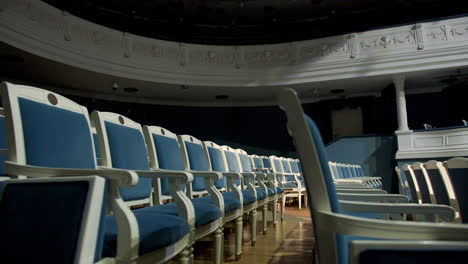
290 241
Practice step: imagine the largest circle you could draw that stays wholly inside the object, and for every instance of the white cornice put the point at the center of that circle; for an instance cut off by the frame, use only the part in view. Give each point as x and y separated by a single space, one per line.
48 32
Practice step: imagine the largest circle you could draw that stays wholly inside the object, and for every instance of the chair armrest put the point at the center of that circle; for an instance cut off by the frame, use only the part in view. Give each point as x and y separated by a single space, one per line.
386 198
446 213
125 178
207 174
360 191
233 175
184 176
249 175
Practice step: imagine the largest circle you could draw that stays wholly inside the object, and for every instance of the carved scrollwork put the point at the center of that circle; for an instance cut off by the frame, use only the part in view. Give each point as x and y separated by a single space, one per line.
439 33
267 56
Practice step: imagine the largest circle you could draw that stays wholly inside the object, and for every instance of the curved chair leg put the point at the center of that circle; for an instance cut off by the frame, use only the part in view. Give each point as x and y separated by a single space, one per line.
283 201
265 212
273 210
218 240
300 200
184 256
305 199
238 238
253 226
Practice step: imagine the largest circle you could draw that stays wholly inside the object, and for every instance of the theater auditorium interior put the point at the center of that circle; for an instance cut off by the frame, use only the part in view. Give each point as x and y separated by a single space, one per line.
233 131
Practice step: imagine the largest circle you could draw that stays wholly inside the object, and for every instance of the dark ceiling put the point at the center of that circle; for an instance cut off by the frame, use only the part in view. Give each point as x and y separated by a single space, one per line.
247 22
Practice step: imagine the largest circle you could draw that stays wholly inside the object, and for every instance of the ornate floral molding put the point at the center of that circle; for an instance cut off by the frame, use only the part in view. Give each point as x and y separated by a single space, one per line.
45 31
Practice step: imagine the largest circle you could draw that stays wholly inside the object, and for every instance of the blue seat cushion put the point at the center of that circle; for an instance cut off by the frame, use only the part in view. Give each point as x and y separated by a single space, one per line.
231 203
156 231
249 197
279 190
271 191
261 195
205 213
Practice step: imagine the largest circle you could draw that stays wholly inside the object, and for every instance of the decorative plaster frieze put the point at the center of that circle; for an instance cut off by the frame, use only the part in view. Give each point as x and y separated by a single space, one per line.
126 42
39 28
182 54
66 26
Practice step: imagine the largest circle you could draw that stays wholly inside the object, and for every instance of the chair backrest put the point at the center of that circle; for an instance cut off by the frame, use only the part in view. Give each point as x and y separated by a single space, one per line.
276 165
257 162
439 185
299 165
123 146
3 143
217 161
286 165
164 153
360 171
51 220
402 183
317 175
266 163
46 129
457 169
412 183
293 165
196 158
422 182
96 146
234 163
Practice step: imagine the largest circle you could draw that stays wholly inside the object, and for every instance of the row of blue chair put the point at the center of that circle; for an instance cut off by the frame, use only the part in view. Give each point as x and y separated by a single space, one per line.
435 182
160 192
349 238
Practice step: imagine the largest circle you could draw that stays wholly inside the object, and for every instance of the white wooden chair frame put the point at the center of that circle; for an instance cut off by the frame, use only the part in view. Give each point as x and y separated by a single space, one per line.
16 167
87 239
328 223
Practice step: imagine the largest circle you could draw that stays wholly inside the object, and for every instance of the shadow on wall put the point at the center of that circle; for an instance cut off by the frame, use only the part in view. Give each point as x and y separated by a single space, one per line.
375 153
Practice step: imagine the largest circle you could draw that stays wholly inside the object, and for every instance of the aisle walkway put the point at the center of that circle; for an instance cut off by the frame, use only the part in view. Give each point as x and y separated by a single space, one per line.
290 241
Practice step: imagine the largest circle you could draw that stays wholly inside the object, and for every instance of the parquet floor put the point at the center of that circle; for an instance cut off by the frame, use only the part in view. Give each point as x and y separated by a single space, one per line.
290 241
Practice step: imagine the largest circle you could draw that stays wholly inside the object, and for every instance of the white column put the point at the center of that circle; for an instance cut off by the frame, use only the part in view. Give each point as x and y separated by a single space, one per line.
399 83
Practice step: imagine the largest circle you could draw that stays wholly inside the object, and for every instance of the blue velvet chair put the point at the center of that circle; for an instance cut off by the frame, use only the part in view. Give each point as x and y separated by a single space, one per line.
167 152
124 147
457 169
264 194
342 238
50 136
3 148
67 230
425 187
442 185
239 181
197 158
403 183
258 166
293 187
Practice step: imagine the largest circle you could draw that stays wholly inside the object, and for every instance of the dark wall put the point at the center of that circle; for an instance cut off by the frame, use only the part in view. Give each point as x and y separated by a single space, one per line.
262 130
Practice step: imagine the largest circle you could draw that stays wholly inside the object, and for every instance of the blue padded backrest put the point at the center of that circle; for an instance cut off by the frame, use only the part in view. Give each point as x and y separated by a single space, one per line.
341 171
323 158
353 172
55 137
266 163
198 162
330 185
41 221
423 188
299 166
3 145
294 166
459 180
360 171
438 186
233 165
169 157
245 162
286 168
258 162
128 151
217 164
336 173
277 164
